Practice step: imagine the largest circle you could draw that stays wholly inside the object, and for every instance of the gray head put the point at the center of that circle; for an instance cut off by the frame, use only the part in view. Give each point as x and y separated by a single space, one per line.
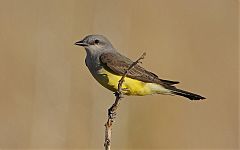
95 43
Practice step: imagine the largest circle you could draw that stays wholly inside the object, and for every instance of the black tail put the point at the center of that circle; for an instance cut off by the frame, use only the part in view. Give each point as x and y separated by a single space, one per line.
186 94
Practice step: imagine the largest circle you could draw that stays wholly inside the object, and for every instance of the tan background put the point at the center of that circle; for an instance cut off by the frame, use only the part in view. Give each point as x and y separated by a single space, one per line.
49 99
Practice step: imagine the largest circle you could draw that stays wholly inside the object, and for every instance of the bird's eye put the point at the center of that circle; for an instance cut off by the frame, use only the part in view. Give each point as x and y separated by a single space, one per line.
96 41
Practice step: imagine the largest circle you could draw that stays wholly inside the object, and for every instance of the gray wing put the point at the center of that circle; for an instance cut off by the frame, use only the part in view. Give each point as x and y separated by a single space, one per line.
118 64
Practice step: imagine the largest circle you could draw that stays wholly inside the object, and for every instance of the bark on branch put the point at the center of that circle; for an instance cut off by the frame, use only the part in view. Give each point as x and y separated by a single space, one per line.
112 110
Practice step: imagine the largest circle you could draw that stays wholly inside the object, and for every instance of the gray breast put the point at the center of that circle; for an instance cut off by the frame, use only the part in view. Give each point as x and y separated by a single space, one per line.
93 63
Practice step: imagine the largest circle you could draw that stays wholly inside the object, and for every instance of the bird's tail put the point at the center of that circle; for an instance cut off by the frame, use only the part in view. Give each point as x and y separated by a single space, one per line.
186 94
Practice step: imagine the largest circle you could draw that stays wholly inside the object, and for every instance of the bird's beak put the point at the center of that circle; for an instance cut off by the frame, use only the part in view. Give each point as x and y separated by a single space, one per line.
81 43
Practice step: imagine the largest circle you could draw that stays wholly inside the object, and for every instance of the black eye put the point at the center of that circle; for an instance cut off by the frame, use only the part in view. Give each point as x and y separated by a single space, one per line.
96 41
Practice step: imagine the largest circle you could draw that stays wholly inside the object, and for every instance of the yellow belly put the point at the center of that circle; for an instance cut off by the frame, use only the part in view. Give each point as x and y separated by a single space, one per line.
129 86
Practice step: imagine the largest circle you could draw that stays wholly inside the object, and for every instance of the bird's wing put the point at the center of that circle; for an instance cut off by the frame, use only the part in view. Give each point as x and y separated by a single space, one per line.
118 64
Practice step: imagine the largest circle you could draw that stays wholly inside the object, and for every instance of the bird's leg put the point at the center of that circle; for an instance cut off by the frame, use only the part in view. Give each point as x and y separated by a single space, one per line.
125 89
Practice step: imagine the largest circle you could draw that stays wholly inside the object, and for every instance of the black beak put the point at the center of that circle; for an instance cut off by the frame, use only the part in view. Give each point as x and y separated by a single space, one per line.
81 43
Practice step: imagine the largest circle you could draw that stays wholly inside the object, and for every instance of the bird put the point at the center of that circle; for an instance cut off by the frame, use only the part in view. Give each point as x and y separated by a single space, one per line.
107 66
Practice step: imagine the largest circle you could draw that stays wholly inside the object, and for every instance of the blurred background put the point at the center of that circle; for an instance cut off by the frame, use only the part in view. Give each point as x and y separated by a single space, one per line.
49 100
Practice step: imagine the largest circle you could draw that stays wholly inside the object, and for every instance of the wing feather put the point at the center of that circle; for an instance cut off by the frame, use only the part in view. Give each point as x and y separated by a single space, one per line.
118 64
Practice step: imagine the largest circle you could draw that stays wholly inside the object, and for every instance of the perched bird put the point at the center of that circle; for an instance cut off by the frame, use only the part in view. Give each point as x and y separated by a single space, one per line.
107 66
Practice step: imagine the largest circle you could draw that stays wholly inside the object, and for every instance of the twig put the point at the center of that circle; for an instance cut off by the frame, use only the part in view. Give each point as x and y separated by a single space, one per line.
112 110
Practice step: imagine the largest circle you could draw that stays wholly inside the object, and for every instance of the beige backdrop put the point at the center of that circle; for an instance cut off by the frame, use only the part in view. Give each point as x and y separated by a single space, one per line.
49 99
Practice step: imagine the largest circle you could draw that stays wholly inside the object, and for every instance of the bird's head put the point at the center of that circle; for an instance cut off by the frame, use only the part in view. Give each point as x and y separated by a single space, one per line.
95 43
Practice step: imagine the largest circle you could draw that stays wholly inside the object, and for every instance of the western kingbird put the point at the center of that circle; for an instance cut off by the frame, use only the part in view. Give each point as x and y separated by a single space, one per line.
107 66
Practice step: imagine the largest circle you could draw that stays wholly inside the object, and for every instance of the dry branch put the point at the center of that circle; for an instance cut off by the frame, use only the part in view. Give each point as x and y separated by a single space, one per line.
112 110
